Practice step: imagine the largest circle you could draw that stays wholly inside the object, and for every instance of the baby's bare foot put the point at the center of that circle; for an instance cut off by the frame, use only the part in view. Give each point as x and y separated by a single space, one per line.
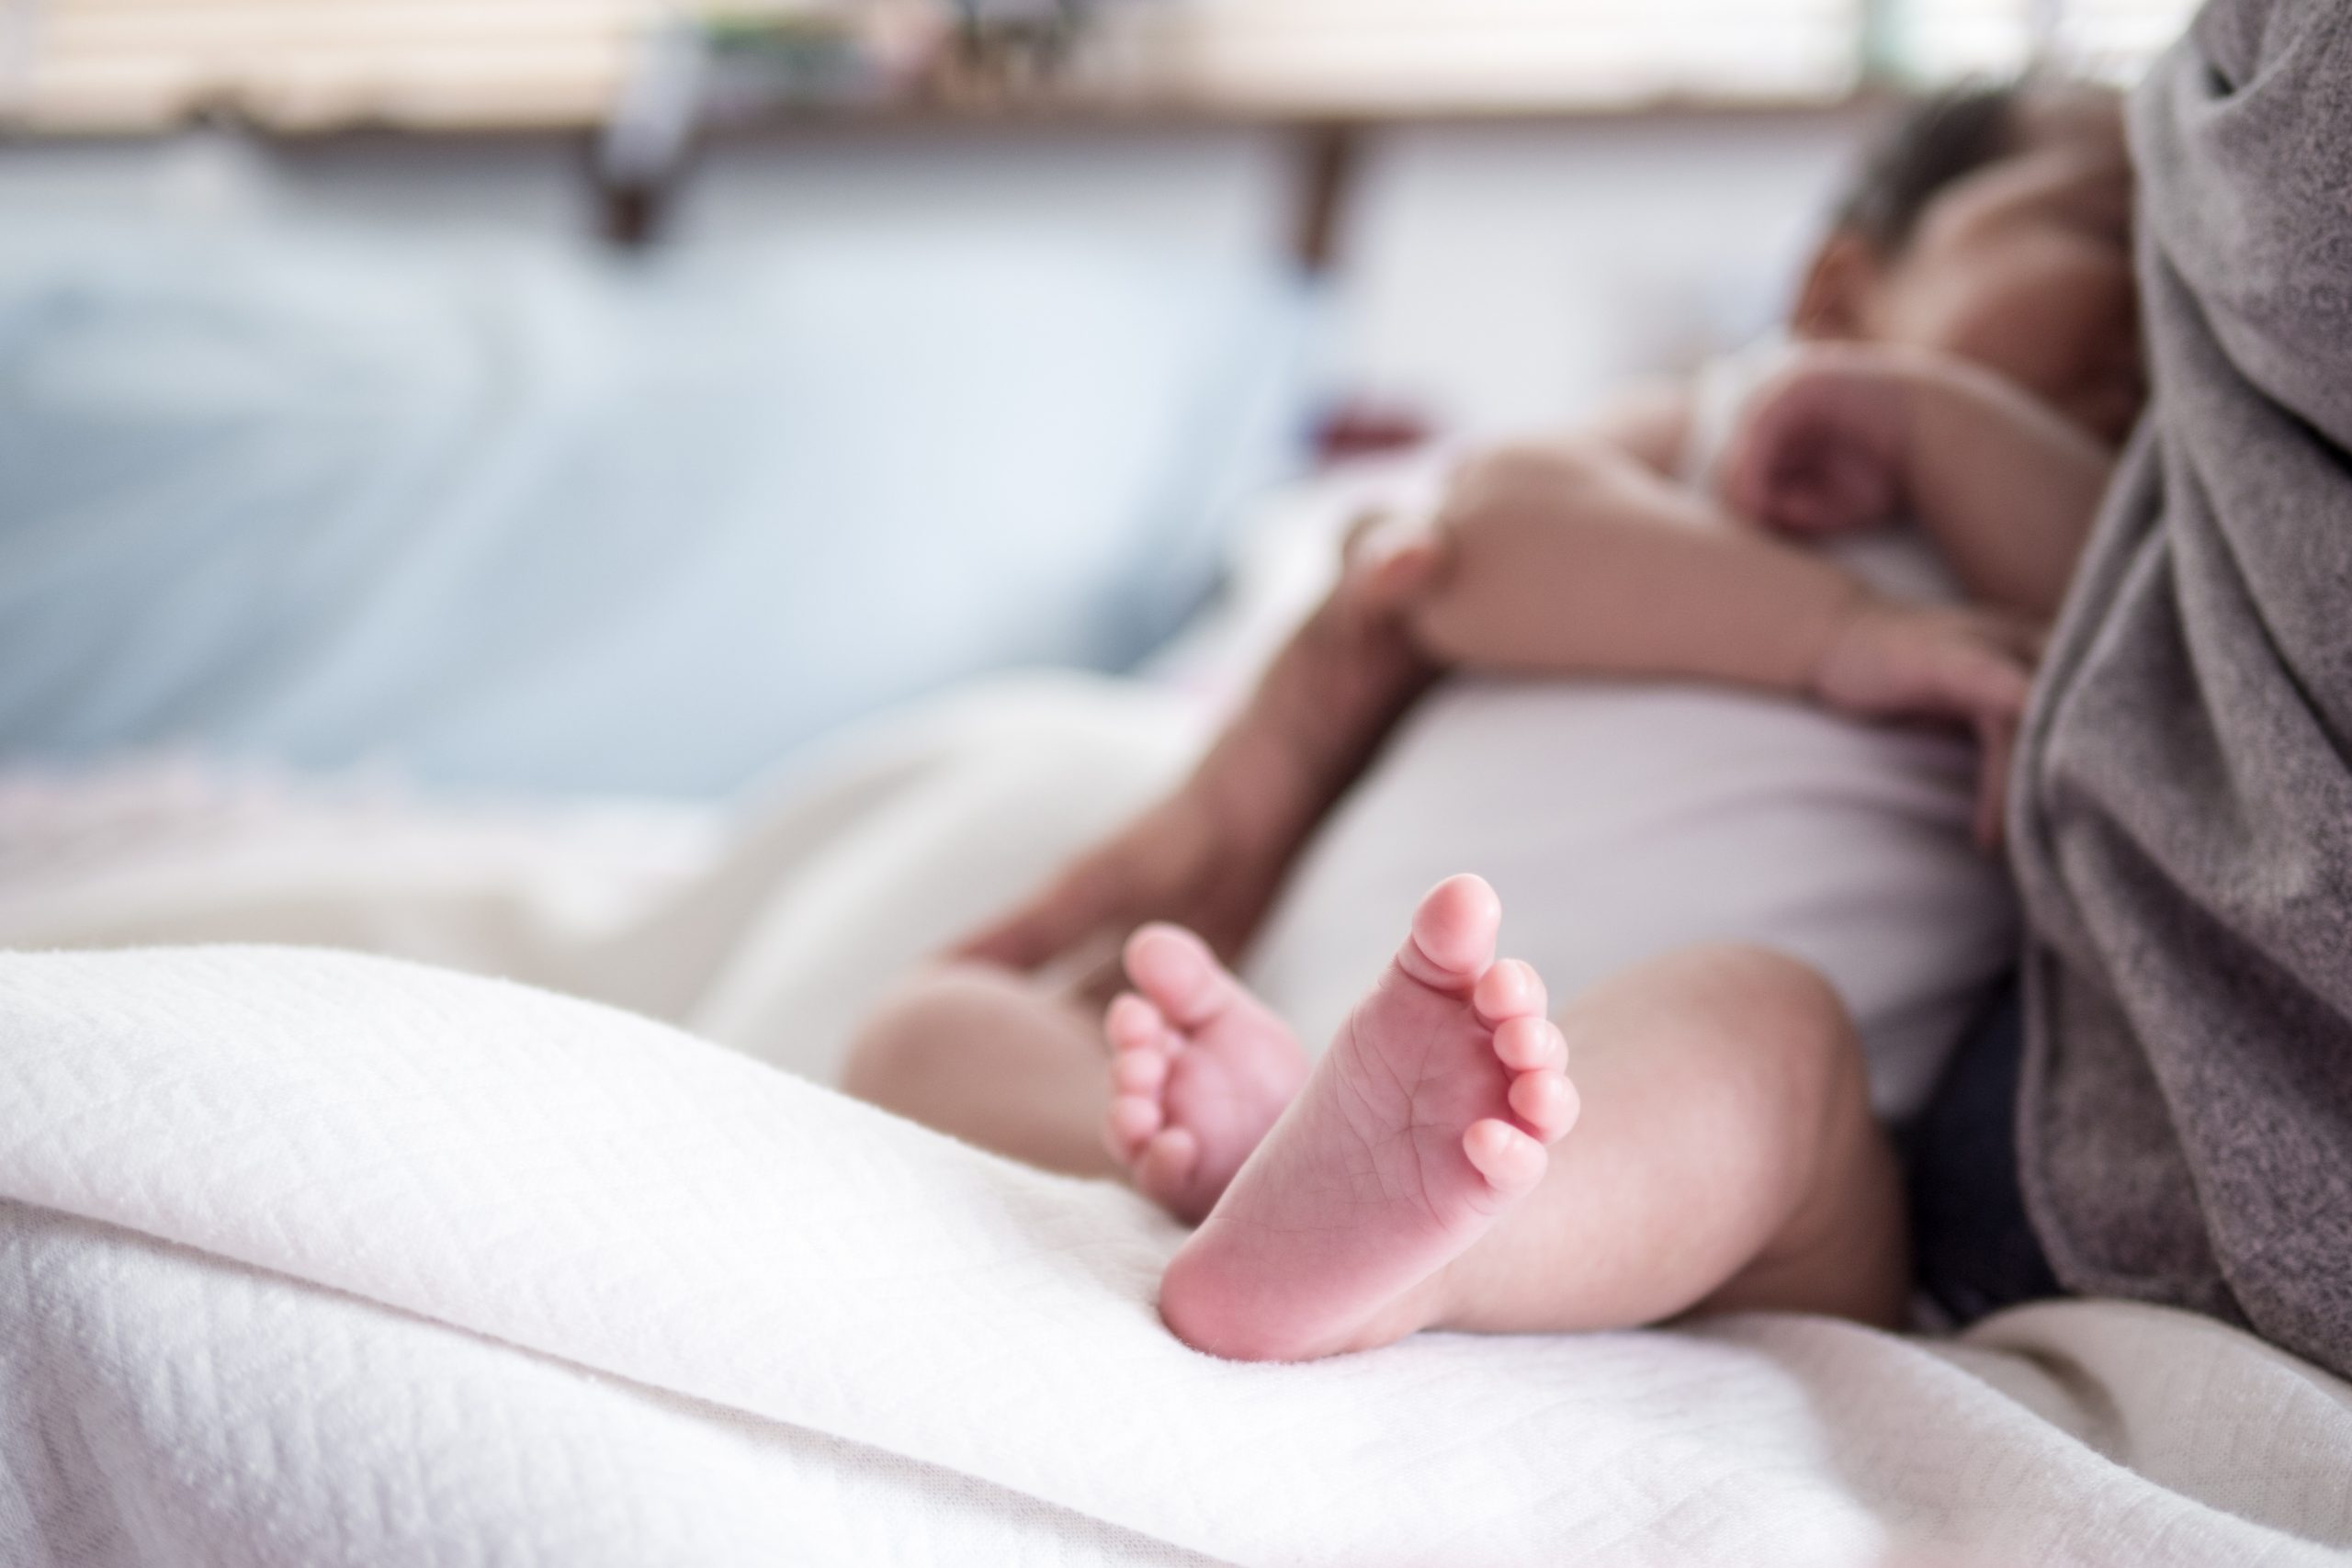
1199 1070
1425 1122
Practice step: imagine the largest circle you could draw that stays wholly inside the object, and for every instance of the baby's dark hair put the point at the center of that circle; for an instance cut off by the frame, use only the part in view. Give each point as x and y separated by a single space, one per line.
1937 141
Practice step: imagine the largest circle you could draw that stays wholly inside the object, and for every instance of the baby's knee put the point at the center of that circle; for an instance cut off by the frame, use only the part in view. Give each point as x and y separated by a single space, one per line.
1781 994
1800 1048
1780 1025
905 1039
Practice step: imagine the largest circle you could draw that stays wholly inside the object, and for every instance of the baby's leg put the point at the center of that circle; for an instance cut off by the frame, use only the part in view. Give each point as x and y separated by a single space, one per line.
1200 1070
1725 1158
997 1060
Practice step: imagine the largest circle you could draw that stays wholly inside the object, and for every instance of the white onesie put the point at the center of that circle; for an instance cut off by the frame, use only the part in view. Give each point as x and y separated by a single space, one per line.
1622 820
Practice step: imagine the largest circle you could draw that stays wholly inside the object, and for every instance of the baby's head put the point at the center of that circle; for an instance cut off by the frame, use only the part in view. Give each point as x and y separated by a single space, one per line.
1994 223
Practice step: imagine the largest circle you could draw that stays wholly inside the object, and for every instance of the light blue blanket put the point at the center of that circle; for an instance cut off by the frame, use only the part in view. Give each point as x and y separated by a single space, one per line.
514 516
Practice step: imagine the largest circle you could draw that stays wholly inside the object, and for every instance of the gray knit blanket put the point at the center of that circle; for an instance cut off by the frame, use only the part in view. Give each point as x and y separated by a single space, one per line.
2183 825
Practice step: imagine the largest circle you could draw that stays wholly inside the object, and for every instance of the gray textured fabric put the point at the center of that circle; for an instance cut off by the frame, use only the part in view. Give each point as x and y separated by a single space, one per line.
2183 829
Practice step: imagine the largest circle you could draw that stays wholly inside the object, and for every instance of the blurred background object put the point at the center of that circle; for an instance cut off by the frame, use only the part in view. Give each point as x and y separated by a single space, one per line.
626 116
308 64
505 516
605 394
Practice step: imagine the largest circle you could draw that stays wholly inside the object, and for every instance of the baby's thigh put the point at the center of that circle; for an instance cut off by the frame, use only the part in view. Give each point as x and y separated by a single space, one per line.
1730 1082
1724 1041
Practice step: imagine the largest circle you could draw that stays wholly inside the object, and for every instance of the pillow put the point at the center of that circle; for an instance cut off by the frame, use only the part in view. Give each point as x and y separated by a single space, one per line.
514 516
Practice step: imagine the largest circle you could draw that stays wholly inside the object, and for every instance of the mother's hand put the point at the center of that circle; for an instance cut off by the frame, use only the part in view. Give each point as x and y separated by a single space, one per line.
1213 854
1185 858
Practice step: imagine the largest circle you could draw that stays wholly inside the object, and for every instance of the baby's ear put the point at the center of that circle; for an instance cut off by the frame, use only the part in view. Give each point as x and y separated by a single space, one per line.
1835 300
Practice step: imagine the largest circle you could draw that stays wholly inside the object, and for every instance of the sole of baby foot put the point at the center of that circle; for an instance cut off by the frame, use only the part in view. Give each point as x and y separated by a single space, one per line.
1200 1070
1426 1122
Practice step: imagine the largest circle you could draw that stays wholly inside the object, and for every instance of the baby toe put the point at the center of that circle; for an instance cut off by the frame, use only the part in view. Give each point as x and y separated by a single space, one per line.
1138 1072
1529 1041
1547 1102
1508 989
1175 970
1131 1023
1167 1163
1453 931
1133 1120
1510 1160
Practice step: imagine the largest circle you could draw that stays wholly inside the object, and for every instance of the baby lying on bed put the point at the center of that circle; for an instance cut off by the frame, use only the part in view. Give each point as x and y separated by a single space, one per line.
1964 355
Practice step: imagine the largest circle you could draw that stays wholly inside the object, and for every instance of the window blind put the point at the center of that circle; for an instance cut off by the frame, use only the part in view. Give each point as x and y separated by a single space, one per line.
295 63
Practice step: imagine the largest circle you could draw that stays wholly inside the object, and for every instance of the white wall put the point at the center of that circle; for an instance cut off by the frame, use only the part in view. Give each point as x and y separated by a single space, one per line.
1221 192
1495 276
1511 275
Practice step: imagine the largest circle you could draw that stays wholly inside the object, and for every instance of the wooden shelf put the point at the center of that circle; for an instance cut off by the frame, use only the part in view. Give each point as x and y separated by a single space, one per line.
544 112
302 67
302 72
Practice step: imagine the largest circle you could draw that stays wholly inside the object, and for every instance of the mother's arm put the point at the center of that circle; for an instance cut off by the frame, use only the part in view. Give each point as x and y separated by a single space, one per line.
1212 855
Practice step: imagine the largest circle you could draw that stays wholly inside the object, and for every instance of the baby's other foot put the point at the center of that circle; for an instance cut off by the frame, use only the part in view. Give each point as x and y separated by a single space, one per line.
1199 1071
1426 1121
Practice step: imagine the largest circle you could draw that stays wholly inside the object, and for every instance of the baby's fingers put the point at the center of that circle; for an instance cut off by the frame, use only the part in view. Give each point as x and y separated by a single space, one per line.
1982 682
1997 748
1828 486
1389 555
1754 469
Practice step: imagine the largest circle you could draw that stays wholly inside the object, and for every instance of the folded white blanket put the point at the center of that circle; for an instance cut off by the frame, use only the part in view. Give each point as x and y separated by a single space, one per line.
321 1258
310 1258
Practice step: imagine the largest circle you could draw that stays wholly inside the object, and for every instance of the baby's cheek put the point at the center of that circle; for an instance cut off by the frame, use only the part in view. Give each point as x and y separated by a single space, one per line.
2055 321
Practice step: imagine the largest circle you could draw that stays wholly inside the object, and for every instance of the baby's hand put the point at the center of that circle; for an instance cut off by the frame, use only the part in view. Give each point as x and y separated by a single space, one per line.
1822 448
1889 659
1394 556
1391 555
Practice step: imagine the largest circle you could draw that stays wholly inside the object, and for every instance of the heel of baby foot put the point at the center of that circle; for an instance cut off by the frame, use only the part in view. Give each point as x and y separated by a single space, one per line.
1222 1312
1199 1306
1207 1305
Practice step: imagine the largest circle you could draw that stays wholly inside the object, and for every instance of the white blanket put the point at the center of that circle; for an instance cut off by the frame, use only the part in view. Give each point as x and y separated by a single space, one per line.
310 1258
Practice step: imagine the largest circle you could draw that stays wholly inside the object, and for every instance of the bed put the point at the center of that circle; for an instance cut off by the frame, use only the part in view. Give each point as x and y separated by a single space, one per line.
390 1175
528 1235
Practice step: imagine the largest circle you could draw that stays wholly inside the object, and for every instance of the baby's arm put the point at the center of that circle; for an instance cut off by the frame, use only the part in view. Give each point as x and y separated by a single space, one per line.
1851 434
1578 559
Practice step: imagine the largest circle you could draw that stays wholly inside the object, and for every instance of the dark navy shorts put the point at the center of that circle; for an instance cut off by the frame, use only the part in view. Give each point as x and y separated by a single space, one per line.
1971 1247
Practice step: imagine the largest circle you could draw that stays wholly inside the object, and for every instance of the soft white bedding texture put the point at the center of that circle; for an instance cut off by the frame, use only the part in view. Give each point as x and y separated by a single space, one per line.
312 1258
